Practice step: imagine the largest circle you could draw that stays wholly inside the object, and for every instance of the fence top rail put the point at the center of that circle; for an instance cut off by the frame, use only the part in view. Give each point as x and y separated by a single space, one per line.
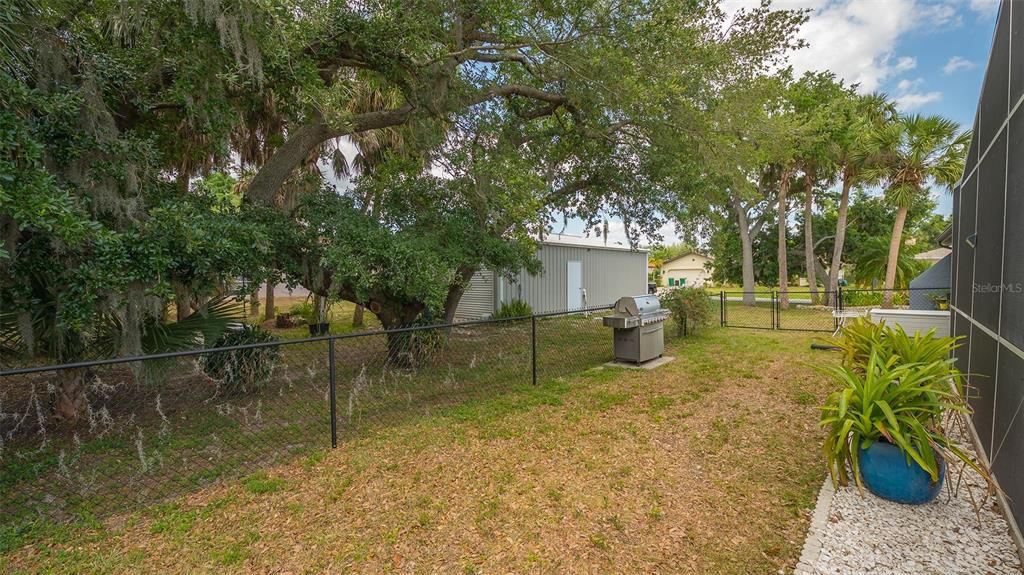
883 290
803 290
282 342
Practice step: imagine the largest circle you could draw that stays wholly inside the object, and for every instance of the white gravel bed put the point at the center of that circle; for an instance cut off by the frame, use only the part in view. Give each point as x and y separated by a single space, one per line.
852 533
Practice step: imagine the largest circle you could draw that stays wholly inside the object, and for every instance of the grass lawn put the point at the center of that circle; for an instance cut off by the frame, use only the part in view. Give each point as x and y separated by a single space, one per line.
707 465
339 314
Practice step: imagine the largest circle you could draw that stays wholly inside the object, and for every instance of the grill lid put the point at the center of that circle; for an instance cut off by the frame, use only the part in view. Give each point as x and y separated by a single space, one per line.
639 305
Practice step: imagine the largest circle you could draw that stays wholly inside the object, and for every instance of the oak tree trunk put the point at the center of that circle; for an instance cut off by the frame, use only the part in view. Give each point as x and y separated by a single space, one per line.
269 313
455 292
747 249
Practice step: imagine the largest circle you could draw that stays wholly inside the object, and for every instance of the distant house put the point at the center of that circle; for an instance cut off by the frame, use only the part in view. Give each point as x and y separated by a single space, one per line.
578 272
933 256
933 282
689 269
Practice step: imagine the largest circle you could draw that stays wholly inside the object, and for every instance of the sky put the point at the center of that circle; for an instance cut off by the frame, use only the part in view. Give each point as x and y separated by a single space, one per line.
929 55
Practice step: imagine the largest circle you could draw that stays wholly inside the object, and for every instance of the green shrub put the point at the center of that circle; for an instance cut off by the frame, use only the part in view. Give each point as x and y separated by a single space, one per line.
304 310
413 347
690 308
513 309
866 298
242 370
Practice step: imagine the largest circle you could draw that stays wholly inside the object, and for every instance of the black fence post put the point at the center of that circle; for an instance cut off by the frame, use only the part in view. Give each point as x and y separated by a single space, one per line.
721 308
533 346
334 393
775 309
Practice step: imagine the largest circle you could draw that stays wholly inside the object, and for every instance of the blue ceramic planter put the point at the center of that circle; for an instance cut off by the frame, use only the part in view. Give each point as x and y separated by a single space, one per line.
887 473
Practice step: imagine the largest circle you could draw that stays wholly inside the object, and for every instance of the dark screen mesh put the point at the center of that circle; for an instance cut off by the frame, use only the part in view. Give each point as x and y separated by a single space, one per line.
972 152
1017 59
1008 448
993 94
956 253
988 253
1013 263
982 382
965 258
998 262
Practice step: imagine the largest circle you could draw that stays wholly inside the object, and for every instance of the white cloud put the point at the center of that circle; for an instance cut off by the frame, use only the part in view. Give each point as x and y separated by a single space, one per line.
906 85
956 63
855 39
905 64
914 100
944 15
984 7
909 95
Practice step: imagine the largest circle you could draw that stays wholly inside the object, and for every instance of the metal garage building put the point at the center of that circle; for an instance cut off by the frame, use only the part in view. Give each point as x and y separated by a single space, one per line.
577 272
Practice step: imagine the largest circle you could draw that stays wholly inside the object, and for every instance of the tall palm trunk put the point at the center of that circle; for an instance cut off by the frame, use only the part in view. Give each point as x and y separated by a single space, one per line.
839 240
812 279
894 256
783 244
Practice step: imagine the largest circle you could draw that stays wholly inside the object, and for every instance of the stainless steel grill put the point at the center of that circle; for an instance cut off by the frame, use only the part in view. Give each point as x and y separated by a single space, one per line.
639 328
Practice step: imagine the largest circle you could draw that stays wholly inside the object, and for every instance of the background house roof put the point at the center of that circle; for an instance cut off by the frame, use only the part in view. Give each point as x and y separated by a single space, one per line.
689 254
582 242
933 255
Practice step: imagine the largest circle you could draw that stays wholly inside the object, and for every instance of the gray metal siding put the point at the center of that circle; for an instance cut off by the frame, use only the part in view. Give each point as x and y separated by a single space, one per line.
607 275
478 300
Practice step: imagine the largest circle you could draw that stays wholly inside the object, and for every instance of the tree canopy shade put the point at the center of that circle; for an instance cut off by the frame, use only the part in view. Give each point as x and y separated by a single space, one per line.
152 152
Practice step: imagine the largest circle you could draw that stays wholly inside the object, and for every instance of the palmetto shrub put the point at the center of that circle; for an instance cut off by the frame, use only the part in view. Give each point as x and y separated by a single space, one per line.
513 309
243 370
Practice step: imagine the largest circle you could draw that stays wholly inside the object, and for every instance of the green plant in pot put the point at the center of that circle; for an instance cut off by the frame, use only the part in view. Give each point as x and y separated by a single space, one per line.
885 423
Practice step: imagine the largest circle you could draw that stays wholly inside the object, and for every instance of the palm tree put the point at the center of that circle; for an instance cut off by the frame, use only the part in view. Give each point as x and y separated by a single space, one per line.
850 151
871 261
783 217
910 153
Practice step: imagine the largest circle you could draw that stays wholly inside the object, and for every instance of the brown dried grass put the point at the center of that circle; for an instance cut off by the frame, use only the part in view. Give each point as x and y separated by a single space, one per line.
706 465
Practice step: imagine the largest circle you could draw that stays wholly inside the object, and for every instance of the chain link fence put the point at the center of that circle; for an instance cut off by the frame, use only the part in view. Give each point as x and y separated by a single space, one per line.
821 311
95 438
